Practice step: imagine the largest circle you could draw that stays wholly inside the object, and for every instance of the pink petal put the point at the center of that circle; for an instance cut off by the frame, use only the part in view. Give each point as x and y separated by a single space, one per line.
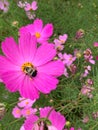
54 68
34 5
30 122
57 120
92 61
38 25
11 50
27 7
23 30
27 46
44 54
6 65
28 90
47 30
45 83
12 80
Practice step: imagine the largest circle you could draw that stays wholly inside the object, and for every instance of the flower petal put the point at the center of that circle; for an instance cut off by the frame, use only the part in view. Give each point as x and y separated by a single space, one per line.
45 83
54 68
28 90
27 46
38 25
44 54
11 50
25 29
47 30
6 65
12 80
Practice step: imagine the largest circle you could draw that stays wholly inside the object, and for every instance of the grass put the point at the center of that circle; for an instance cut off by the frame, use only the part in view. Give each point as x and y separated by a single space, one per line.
67 16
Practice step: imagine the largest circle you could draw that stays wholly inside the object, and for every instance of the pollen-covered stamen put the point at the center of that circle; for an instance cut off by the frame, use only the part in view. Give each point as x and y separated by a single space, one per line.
38 35
29 69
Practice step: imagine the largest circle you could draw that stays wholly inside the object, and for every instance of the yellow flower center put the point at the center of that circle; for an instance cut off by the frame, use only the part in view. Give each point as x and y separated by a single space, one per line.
62 41
38 35
17 111
27 103
28 112
25 65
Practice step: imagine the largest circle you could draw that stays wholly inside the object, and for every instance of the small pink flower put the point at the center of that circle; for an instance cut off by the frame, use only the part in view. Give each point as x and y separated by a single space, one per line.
88 56
32 6
90 81
73 68
68 59
86 71
63 38
4 5
23 102
79 34
36 29
28 111
16 112
58 45
86 90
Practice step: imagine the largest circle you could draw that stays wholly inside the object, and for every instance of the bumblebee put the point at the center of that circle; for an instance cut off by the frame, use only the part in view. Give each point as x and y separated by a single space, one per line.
30 71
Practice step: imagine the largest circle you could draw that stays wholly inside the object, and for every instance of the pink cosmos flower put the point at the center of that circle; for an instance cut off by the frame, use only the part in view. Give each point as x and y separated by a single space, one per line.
36 29
28 69
86 90
68 59
56 121
86 71
4 5
16 112
88 56
79 34
58 46
24 102
28 111
59 42
32 6
63 38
